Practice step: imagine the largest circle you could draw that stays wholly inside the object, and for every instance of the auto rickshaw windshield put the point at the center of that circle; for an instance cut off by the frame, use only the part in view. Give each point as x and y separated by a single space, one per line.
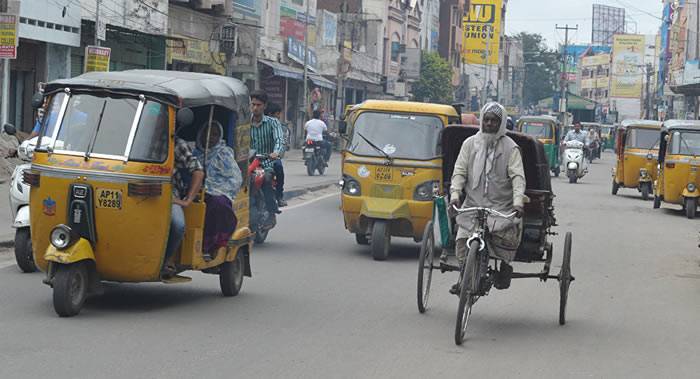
537 129
396 135
102 125
685 143
642 138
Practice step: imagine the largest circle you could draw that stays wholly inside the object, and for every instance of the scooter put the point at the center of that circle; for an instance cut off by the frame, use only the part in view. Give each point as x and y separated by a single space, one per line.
261 221
574 161
19 207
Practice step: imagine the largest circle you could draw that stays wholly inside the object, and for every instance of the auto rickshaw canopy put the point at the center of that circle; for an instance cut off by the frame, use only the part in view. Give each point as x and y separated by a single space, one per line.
407 107
181 89
652 124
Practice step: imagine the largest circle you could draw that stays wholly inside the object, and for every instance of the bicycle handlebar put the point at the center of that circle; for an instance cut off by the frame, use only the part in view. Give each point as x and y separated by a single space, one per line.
482 209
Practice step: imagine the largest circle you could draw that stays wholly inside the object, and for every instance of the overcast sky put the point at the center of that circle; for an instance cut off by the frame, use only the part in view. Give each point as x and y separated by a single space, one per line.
541 16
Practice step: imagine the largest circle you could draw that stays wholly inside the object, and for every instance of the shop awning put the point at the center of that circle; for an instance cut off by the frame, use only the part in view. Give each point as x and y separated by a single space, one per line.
279 69
574 102
321 81
284 71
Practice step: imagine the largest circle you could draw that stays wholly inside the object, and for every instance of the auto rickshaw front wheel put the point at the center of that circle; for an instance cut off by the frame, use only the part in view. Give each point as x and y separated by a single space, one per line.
381 240
646 190
231 275
691 206
70 288
23 250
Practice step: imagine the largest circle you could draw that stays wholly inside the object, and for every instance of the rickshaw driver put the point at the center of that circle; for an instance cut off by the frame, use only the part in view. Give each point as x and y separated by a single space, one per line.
489 169
266 138
184 161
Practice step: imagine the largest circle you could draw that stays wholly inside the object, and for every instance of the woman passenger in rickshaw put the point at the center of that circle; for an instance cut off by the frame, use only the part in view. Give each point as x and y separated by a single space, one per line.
222 183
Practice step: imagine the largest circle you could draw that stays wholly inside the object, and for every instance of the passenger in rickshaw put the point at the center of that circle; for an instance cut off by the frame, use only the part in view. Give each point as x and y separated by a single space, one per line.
489 170
222 183
184 192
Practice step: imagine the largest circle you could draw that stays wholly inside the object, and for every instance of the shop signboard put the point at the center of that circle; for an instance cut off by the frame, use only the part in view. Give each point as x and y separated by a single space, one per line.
8 36
481 32
97 58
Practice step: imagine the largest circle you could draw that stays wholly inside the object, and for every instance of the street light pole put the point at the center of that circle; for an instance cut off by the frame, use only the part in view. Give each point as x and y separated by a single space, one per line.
306 60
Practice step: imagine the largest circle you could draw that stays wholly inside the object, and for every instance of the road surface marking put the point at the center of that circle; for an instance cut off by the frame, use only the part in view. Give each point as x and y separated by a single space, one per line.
289 208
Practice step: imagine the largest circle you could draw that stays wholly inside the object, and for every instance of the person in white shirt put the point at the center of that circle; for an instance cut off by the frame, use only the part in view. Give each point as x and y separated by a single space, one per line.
314 132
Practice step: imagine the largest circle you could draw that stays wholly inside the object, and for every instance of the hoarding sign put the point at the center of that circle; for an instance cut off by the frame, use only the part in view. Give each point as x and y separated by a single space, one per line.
8 36
481 32
627 63
97 58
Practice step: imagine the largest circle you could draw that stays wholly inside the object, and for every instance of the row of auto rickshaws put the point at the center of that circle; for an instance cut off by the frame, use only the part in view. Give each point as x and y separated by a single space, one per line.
659 159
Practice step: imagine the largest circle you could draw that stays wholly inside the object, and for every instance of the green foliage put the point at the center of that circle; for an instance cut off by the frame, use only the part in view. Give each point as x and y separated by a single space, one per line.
541 68
435 83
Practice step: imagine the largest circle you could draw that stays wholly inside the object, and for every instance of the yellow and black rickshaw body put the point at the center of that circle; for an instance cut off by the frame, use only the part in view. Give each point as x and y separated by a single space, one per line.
391 168
679 159
637 153
101 192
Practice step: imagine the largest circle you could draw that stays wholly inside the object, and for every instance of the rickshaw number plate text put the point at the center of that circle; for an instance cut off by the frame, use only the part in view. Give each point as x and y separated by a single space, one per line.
109 198
383 174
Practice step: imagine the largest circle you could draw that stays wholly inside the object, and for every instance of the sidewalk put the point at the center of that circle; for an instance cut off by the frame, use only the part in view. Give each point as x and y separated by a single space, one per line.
298 182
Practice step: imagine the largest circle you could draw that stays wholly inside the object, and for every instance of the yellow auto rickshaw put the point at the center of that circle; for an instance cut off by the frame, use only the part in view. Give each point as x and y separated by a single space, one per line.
101 181
637 153
391 168
679 159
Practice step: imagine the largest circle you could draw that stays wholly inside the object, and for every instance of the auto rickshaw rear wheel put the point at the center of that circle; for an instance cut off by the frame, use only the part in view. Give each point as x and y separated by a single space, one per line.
70 288
381 240
231 275
657 202
556 172
615 187
361 239
23 250
691 206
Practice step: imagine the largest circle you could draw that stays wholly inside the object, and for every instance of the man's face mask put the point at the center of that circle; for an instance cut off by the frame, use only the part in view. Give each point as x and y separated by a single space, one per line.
491 123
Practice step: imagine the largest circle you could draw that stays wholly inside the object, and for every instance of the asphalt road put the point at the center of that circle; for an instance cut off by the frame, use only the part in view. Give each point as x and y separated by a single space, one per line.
319 306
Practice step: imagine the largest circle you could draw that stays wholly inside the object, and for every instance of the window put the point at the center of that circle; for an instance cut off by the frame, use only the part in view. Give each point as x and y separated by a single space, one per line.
398 135
642 138
685 143
395 47
151 140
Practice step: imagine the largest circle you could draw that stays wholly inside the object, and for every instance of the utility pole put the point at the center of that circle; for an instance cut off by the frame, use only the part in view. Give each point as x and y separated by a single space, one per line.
647 102
5 106
340 91
306 60
565 78
97 22
487 71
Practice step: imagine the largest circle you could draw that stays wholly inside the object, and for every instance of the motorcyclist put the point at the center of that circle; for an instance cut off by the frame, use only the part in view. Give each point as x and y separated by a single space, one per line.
592 141
576 134
266 138
275 111
314 132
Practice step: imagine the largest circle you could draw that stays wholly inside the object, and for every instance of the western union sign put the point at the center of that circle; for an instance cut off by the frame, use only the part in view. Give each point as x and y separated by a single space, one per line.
481 32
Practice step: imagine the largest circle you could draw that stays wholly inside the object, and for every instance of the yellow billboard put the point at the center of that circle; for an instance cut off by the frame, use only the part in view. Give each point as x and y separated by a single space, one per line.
481 30
627 63
595 60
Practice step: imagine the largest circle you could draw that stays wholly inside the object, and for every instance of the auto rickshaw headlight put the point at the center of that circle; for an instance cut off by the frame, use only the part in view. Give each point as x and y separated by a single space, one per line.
62 236
424 191
650 156
643 172
351 186
692 187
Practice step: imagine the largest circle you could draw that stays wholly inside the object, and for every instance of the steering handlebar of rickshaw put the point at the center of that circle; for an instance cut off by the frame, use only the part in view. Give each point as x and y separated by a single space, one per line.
485 210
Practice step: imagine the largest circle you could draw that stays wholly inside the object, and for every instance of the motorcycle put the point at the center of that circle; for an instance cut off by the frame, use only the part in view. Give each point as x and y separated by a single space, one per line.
261 220
314 158
593 151
574 161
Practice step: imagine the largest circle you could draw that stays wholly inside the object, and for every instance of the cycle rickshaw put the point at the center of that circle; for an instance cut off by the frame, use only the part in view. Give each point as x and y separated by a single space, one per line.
476 273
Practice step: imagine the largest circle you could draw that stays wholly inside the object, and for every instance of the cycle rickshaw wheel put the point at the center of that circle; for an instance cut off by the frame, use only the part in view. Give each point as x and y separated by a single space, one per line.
425 267
565 279
467 293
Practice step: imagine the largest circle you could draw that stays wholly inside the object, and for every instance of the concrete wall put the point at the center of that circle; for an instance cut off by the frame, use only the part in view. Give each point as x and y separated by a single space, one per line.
149 16
43 21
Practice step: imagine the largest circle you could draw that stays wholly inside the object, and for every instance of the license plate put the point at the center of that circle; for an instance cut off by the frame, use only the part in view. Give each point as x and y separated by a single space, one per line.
109 198
383 174
309 150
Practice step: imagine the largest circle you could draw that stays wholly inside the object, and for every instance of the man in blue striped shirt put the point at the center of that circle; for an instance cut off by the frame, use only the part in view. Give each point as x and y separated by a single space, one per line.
266 138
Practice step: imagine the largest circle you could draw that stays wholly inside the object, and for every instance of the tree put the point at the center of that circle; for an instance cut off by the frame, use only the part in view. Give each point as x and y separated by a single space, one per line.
541 68
435 83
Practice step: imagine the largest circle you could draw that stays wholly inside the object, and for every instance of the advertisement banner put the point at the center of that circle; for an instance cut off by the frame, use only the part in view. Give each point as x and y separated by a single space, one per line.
194 51
330 28
481 32
97 58
295 51
595 60
627 63
8 36
293 17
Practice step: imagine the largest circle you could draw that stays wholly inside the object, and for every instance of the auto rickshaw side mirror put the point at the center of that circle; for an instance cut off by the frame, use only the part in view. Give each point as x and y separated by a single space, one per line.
10 129
342 127
37 100
184 117
667 137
